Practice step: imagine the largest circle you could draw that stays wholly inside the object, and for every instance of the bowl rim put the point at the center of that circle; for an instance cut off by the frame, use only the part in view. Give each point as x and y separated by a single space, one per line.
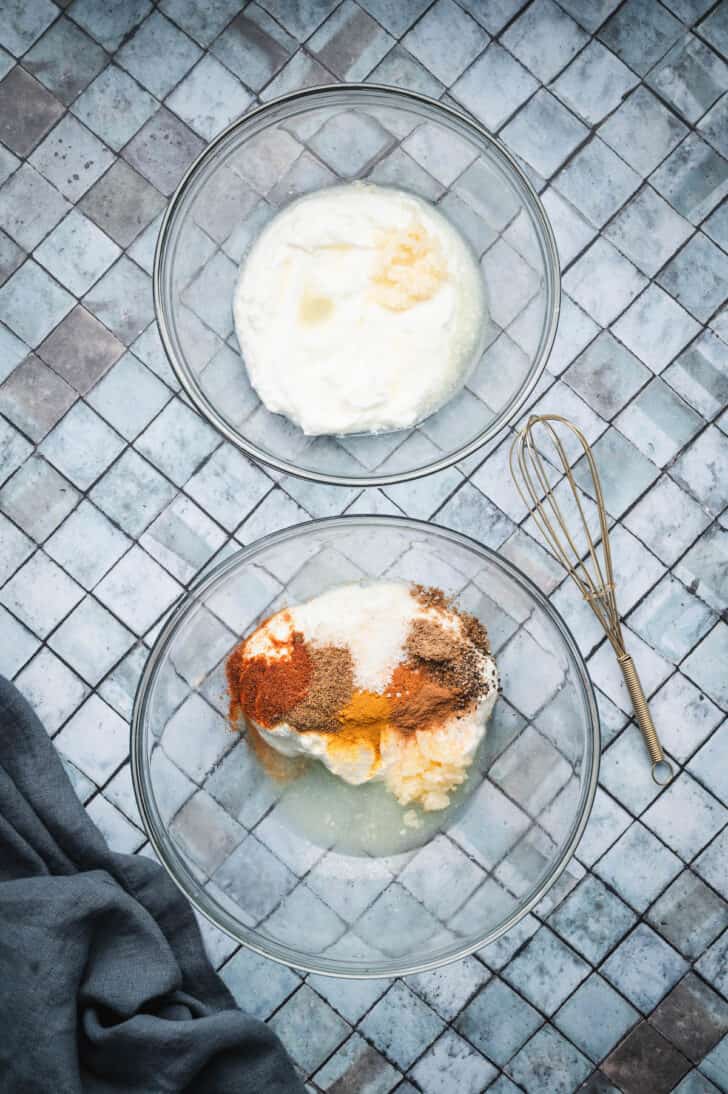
552 273
155 828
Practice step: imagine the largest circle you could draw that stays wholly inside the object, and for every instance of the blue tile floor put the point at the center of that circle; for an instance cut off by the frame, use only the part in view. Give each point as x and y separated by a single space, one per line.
619 113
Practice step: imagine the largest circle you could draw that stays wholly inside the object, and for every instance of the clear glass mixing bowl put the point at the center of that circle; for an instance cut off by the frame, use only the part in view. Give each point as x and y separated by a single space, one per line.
316 138
222 827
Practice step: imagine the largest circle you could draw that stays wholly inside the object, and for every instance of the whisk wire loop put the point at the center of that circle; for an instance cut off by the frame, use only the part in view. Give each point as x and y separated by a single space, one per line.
538 492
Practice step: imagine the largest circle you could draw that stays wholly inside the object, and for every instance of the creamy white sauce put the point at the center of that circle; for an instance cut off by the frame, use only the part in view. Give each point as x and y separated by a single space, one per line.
360 308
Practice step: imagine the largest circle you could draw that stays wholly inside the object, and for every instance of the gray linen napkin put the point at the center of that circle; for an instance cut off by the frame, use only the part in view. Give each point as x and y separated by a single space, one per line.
104 984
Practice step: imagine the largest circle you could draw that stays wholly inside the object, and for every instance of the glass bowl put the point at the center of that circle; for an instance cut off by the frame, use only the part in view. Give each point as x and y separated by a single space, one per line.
317 138
222 826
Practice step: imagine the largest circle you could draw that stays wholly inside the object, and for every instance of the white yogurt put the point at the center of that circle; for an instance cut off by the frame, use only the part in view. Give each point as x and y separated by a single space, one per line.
360 308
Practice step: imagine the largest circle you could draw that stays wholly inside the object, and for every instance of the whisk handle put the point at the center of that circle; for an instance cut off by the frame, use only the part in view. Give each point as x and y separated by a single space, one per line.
661 768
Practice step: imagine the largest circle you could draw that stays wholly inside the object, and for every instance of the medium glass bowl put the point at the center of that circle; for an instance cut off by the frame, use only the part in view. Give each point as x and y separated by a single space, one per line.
317 138
220 824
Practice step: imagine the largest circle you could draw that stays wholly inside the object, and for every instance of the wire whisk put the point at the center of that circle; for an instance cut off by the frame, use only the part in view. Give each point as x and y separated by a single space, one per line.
586 556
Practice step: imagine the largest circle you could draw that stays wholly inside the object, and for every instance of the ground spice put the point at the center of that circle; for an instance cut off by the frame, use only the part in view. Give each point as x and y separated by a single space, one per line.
330 689
428 640
265 689
418 700
362 721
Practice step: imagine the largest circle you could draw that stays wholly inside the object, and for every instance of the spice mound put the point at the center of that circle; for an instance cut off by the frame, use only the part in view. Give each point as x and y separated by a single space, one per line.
380 682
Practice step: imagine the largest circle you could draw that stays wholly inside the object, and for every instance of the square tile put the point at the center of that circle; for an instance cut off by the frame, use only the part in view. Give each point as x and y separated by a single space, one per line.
87 545
697 277
350 43
72 158
648 231
304 1011
16 547
667 520
400 69
658 422
694 178
671 619
401 1025
446 40
597 181
644 968
443 156
686 817
40 594
603 282
18 644
696 1083
640 34
595 83
544 39
91 641
592 919
643 131
549 1064
202 23
163 150
81 446
24 23
700 374
121 300
13 449
51 688
698 470
206 832
11 256
704 664
573 233
132 493
690 78
254 46
707 767
714 124
686 718
624 472
30 207
108 25
65 60
81 349
576 329
77 253
643 1052
692 1017
596 1017
638 866
592 14
138 590
607 822
129 396
689 915
178 441
606 375
356 1061
37 498
33 397
27 111
452 1060
209 98
183 539
715 29
494 87
546 971
122 203
441 876
158 55
299 72
688 10
544 133
449 988
114 106
257 984
712 965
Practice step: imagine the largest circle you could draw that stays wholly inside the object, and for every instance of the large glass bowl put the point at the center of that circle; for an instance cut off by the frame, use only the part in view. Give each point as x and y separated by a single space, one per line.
219 823
316 138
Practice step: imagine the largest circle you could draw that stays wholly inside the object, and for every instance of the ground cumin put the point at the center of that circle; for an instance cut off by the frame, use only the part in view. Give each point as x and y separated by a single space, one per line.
330 689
